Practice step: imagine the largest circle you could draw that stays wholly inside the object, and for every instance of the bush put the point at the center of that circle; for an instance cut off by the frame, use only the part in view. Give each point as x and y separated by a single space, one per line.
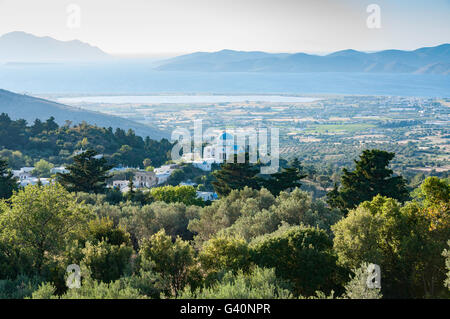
90 289
261 283
176 194
107 262
357 288
19 288
221 254
446 254
302 255
172 260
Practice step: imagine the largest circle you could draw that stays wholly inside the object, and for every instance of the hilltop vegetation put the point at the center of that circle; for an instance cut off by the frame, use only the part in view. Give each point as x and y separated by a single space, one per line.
25 144
251 243
27 107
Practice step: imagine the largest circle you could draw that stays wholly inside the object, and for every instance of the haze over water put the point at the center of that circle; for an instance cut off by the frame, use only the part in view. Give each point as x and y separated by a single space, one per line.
140 79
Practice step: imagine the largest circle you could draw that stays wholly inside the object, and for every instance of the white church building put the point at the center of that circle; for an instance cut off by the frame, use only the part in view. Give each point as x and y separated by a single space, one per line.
224 147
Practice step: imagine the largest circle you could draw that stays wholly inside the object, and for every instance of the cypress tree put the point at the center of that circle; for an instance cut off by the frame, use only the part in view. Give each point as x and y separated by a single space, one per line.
8 183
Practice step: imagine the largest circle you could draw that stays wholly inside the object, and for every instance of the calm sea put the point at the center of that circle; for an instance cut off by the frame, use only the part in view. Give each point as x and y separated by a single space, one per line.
139 79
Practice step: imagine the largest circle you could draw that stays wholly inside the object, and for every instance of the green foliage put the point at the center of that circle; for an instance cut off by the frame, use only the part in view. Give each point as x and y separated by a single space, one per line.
37 225
172 260
107 262
103 229
302 255
446 255
8 183
249 226
222 254
297 208
235 176
435 194
176 194
399 239
224 212
16 159
357 288
19 288
87 173
261 283
103 248
249 244
370 178
289 178
91 289
44 291
143 222
114 196
56 144
250 213
148 283
42 168
131 191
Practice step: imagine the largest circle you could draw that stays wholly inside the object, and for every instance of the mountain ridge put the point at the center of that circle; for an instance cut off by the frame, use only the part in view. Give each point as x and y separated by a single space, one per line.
418 61
19 46
19 106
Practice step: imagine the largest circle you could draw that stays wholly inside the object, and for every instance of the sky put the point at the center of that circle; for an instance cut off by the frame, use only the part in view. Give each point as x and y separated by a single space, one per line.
164 27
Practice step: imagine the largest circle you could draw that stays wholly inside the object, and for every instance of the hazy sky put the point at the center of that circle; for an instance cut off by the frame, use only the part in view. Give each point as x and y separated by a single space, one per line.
178 26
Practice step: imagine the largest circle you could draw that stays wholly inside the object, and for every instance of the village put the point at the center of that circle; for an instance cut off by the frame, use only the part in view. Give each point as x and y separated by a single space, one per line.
145 179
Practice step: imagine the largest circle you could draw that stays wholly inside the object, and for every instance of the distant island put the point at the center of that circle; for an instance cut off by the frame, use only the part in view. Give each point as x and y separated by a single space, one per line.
428 60
22 47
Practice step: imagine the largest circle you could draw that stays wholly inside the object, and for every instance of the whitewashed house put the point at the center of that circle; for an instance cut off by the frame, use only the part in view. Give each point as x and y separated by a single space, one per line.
204 165
144 179
120 184
34 181
23 173
60 169
163 173
205 196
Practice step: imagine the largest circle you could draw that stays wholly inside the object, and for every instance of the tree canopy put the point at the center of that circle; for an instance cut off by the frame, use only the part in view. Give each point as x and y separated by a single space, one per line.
88 173
371 177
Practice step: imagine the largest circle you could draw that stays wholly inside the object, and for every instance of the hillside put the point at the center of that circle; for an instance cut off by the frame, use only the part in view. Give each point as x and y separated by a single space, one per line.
24 47
433 60
29 108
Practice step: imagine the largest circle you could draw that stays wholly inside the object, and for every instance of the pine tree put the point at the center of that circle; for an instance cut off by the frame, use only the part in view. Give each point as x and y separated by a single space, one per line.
8 183
288 178
87 174
233 175
296 164
370 178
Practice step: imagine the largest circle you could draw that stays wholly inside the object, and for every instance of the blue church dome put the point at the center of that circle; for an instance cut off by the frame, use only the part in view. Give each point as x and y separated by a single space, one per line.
226 136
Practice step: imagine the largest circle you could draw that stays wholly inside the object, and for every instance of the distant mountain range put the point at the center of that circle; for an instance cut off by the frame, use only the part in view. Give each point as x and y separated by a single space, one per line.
428 60
24 47
19 106
21 47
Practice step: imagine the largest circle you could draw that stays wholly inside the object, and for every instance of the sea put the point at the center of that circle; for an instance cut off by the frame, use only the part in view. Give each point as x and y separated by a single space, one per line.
140 78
